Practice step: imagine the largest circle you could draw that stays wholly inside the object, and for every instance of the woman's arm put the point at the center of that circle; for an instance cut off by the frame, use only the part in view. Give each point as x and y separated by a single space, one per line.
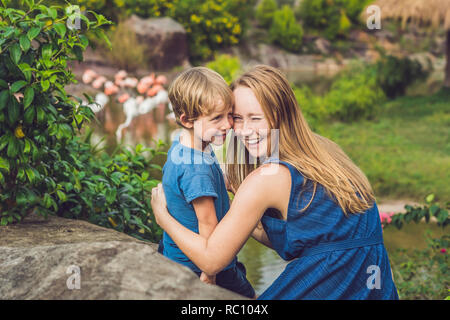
211 255
261 236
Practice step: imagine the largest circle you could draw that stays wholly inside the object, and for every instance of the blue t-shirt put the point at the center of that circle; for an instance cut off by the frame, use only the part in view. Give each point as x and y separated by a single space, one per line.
187 175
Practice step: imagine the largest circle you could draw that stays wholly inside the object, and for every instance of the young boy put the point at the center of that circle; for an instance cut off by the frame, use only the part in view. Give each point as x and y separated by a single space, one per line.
193 182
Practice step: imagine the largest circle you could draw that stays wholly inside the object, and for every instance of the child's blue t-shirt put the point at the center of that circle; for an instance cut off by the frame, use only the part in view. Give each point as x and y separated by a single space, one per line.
187 175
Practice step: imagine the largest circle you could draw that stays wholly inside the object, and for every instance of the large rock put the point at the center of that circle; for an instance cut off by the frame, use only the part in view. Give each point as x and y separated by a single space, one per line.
39 260
165 40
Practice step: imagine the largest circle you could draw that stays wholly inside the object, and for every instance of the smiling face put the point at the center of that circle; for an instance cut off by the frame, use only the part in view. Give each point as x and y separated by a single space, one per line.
250 123
214 127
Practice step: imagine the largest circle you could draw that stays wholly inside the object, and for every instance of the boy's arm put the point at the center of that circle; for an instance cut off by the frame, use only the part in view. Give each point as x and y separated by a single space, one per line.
207 221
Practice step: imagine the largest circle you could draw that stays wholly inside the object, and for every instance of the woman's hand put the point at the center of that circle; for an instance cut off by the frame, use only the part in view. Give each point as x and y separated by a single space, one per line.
159 204
208 279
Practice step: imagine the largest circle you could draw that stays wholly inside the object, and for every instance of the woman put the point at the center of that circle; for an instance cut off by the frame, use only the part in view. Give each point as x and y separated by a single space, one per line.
315 205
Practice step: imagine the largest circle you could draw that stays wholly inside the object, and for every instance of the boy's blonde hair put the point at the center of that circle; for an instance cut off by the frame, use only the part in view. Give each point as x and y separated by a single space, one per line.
198 92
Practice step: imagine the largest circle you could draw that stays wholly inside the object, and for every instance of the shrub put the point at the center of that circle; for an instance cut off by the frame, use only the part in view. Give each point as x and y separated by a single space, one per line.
38 116
227 66
354 94
44 167
265 11
111 191
332 17
211 24
395 74
423 274
285 30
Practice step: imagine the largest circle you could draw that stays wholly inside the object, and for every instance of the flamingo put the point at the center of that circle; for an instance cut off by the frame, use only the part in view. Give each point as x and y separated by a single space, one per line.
99 82
89 75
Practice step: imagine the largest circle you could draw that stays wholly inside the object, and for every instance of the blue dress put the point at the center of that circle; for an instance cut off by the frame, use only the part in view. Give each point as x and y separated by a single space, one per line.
333 256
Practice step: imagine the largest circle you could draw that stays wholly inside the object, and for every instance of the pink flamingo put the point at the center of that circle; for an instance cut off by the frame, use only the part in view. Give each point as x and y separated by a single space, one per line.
89 75
110 88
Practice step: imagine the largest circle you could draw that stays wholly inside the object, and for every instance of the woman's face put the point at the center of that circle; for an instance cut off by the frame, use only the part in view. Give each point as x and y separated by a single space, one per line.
250 124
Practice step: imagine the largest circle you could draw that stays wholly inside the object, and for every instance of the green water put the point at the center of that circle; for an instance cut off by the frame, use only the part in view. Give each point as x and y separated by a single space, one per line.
264 265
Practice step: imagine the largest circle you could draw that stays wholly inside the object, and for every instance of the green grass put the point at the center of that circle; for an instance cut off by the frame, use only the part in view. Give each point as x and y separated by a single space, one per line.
405 152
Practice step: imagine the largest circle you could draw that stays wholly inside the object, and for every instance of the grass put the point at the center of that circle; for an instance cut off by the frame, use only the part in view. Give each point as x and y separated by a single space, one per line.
405 152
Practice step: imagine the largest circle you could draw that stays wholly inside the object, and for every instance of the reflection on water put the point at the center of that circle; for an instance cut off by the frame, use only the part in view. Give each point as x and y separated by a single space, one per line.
264 265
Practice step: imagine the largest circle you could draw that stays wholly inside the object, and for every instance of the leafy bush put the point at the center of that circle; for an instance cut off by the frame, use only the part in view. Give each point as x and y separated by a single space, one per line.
44 167
285 30
423 274
38 117
332 17
111 191
211 24
265 11
354 94
395 74
227 66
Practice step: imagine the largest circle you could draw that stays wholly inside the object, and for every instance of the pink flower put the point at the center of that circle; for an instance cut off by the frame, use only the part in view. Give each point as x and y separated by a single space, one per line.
386 217
443 250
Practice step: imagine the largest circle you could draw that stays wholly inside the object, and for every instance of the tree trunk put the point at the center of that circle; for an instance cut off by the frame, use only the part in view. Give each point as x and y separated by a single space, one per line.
447 67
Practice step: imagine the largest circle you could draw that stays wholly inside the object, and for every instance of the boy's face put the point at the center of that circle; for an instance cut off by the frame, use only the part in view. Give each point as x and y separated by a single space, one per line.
213 128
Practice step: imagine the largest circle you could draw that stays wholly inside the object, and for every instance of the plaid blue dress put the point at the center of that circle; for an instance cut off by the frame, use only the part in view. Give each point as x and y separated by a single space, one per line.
333 256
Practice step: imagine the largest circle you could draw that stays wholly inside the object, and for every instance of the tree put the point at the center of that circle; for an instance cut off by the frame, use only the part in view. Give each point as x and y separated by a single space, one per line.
433 12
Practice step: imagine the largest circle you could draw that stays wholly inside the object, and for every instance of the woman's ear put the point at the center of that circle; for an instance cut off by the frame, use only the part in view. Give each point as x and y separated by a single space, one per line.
185 122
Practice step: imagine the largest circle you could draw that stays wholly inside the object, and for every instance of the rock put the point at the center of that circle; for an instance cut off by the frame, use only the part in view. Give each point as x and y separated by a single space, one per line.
37 259
323 46
165 40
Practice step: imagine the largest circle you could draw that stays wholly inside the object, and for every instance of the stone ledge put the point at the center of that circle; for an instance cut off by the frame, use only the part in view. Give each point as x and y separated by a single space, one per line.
36 254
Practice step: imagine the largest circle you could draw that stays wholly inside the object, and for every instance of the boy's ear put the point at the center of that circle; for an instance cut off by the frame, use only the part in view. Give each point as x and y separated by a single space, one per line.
186 123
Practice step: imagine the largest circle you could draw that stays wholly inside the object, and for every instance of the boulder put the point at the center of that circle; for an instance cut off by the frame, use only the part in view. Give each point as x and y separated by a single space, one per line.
61 258
165 40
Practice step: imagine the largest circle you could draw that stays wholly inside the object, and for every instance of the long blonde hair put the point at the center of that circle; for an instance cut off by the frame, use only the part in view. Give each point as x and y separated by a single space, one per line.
319 160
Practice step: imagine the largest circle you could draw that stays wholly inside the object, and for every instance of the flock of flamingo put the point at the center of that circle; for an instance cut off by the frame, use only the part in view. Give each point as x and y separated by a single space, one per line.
138 97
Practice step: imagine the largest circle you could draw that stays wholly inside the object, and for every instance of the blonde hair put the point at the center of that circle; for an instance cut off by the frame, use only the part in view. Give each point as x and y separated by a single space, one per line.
319 160
197 92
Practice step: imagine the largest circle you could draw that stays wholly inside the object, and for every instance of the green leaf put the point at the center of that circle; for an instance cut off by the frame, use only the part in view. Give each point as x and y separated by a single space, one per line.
52 13
46 51
4 97
30 174
429 198
33 32
61 195
13 147
16 86
27 147
28 97
24 42
4 164
13 110
434 209
60 29
45 84
15 53
29 115
3 84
